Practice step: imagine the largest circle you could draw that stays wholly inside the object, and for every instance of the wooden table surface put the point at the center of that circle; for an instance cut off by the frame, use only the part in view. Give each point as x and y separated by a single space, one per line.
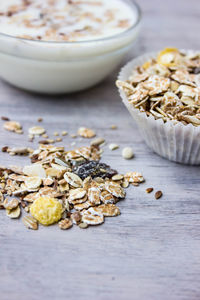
151 251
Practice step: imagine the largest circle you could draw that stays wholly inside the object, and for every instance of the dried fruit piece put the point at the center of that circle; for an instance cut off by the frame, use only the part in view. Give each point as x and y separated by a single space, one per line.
3 118
30 222
33 182
65 224
5 149
167 57
46 210
94 169
35 170
73 179
86 132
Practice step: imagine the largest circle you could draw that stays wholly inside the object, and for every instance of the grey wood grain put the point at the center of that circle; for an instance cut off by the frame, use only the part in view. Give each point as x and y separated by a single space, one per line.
151 251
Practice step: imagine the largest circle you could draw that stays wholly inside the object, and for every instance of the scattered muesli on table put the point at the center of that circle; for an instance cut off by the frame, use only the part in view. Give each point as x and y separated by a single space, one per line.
63 186
69 187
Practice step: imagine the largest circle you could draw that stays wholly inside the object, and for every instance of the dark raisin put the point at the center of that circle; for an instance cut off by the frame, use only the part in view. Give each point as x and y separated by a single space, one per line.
44 142
41 16
34 158
94 169
9 14
4 149
196 70
5 118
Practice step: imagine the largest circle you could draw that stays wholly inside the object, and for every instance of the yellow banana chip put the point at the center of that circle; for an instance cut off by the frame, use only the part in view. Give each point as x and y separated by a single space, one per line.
167 57
46 210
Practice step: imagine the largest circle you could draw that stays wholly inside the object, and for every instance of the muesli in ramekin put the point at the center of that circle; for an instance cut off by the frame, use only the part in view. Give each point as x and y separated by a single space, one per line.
162 93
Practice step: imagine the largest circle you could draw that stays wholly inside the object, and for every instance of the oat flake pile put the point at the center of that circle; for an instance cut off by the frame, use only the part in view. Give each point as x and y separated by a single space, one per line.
64 187
167 87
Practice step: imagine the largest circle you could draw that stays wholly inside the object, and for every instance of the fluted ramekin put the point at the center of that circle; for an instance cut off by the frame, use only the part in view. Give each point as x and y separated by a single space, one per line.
174 141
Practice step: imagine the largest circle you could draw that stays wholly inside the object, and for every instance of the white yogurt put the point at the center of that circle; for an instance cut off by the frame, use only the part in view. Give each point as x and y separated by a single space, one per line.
62 20
74 45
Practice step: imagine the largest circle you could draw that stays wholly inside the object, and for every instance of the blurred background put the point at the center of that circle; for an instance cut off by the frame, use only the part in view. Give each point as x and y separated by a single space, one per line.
169 23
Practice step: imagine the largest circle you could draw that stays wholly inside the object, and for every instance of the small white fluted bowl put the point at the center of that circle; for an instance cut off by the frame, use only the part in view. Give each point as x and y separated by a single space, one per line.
176 142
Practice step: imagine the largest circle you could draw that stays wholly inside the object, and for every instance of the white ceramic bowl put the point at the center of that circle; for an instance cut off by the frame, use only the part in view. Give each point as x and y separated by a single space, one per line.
63 67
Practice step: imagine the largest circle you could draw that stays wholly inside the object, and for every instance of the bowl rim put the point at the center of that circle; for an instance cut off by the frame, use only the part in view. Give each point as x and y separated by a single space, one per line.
131 3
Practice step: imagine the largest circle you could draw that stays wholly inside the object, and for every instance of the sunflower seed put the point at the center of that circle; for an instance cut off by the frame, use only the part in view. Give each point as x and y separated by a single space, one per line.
149 190
158 195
